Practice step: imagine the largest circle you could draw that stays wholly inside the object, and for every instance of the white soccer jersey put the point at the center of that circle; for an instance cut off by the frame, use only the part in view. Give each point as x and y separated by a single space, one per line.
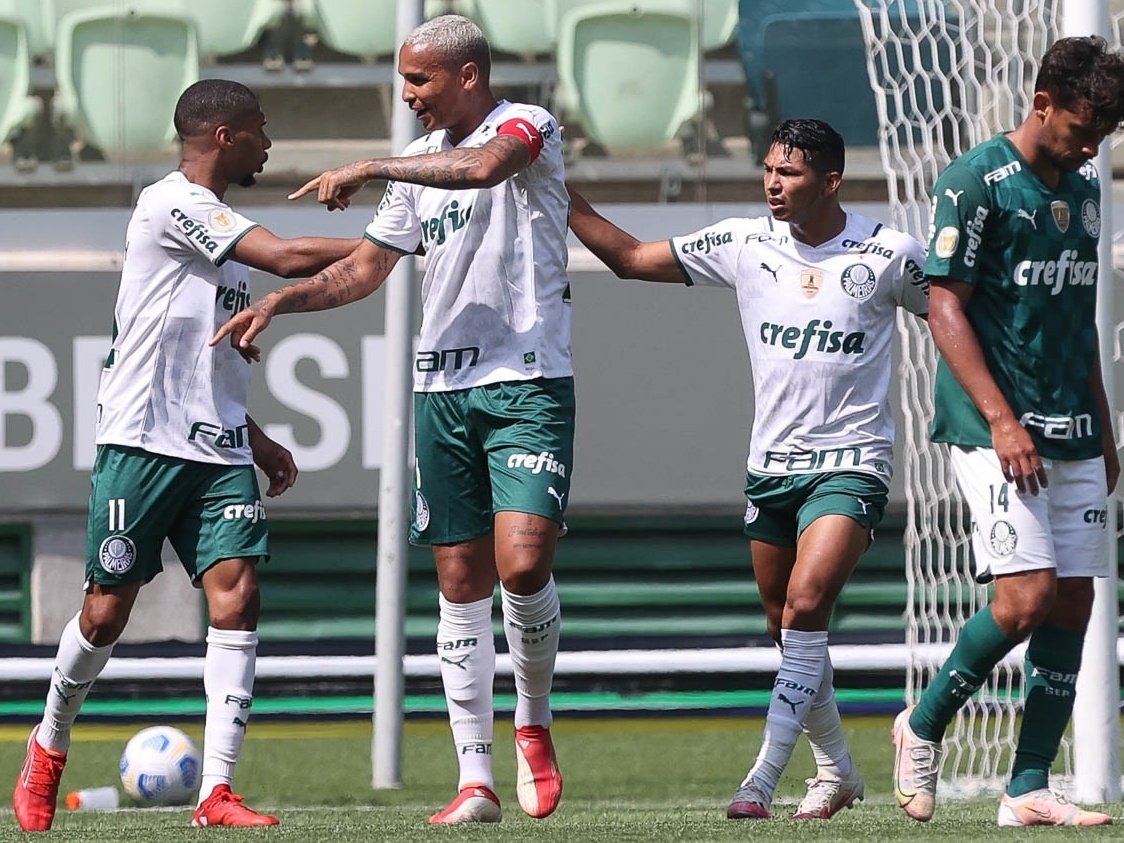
819 324
163 388
495 298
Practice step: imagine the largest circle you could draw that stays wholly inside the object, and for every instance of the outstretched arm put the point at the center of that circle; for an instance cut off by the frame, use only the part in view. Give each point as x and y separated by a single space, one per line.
353 278
483 166
619 250
296 257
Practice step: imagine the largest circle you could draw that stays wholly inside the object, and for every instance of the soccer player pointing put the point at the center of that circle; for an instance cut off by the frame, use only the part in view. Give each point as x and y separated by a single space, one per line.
1021 402
484 195
818 289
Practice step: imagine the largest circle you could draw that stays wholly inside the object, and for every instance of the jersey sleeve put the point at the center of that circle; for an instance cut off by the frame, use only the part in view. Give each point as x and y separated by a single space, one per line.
911 287
396 225
961 205
710 255
195 222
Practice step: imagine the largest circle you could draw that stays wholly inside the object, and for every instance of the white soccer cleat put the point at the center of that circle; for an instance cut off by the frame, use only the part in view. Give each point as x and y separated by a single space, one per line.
829 794
474 804
1045 807
917 765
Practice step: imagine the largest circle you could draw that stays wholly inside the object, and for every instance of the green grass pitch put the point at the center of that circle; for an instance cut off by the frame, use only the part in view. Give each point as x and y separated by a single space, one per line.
644 779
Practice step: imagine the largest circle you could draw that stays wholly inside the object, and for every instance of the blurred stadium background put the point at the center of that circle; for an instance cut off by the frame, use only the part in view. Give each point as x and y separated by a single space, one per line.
655 559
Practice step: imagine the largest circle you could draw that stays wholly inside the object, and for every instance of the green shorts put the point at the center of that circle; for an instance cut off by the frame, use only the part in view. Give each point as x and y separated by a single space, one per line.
208 512
504 447
779 509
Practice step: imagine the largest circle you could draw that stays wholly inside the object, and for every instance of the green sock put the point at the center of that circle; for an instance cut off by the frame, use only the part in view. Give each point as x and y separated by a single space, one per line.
1053 658
978 649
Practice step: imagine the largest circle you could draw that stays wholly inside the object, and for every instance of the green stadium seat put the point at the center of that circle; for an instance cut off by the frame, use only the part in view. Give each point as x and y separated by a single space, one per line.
363 28
719 23
224 27
18 107
38 20
523 28
120 70
628 72
807 58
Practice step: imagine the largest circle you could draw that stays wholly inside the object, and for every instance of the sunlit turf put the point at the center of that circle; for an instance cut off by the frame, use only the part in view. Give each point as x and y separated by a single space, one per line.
657 779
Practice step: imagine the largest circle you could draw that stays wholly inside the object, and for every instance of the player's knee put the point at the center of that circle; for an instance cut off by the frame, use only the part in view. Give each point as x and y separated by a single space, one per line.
526 578
806 611
237 607
103 621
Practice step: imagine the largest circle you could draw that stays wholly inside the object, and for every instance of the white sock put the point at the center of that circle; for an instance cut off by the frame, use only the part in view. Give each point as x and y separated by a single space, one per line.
467 650
802 659
531 624
228 681
825 730
77 664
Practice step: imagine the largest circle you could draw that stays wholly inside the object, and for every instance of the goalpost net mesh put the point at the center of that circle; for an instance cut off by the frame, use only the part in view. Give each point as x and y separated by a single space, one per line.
948 74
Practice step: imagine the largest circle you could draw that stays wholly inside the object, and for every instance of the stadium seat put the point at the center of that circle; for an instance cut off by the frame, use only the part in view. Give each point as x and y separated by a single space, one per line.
38 19
224 27
364 28
525 29
719 23
120 70
776 38
18 107
628 72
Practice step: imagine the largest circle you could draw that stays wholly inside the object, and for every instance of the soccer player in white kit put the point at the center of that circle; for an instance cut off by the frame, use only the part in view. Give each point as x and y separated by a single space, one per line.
175 447
483 194
818 289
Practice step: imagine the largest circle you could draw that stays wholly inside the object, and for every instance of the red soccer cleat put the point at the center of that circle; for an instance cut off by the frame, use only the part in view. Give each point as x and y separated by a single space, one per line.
474 804
37 789
225 808
538 779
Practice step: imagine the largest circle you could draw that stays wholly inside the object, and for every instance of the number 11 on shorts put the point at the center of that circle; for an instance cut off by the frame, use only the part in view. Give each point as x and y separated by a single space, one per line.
116 514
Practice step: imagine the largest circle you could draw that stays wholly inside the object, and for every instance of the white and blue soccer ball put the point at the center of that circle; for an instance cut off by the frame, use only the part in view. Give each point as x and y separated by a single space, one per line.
160 766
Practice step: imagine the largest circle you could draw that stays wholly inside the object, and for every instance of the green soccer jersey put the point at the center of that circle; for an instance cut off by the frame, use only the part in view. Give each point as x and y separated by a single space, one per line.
1031 254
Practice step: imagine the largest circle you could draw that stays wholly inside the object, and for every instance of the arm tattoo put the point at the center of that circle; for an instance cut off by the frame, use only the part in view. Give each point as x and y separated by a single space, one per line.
456 168
341 283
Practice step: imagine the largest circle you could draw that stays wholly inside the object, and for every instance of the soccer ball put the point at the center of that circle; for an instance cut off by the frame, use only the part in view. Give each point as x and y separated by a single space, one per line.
160 766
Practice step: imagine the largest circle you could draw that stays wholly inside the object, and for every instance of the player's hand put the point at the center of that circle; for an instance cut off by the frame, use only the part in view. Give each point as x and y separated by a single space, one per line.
335 188
1018 457
251 353
277 464
243 326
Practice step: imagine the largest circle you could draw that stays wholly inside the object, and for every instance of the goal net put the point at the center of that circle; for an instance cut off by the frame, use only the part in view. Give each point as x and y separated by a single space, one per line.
948 74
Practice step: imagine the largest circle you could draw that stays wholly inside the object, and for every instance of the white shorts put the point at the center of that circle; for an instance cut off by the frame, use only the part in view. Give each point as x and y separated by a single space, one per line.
1064 526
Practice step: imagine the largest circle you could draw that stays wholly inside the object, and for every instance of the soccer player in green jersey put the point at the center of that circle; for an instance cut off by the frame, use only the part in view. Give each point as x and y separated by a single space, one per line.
1020 401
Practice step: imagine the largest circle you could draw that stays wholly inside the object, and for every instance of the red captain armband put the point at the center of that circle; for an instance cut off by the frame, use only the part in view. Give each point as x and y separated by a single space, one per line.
526 132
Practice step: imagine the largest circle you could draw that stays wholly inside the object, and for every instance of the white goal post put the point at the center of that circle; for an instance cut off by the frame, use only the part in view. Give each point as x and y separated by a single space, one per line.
946 75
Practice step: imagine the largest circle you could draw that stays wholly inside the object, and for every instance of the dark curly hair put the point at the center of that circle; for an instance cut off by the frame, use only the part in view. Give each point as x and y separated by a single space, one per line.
822 146
212 102
1080 74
